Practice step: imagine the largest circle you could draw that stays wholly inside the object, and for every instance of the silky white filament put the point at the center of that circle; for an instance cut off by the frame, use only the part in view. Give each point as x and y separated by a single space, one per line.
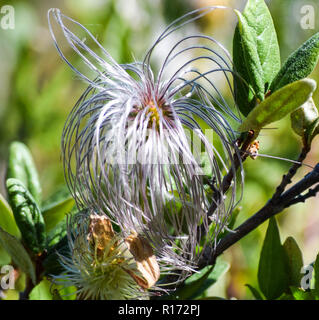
133 143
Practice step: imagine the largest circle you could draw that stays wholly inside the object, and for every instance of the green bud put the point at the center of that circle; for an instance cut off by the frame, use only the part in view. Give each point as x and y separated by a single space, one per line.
27 215
21 166
303 119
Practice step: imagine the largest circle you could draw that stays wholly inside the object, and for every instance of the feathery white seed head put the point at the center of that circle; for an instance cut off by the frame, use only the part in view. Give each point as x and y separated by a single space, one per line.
132 145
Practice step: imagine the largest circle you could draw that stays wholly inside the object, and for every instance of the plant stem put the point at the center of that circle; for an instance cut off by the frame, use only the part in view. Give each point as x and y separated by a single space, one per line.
292 171
272 207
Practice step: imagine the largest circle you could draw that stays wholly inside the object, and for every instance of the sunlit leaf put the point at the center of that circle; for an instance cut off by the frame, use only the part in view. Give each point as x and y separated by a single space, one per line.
304 117
7 221
260 21
251 57
42 291
279 104
10 294
244 93
300 294
46 290
256 54
54 215
62 193
299 65
65 293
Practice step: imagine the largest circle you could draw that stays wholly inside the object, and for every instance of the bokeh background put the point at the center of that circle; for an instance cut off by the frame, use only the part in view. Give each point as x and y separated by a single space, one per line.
38 90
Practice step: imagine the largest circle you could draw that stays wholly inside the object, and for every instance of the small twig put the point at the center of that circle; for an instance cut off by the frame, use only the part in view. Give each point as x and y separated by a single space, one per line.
272 207
302 198
292 171
304 184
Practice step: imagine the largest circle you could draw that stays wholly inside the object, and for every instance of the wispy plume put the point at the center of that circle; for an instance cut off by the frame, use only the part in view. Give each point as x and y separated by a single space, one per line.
134 144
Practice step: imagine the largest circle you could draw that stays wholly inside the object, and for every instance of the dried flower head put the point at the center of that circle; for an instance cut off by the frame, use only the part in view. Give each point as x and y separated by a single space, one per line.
102 265
133 144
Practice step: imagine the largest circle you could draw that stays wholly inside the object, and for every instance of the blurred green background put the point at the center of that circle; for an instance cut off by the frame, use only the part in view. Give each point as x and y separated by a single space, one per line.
38 90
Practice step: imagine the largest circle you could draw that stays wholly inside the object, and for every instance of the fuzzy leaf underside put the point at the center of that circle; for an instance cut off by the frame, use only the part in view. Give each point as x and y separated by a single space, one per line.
299 64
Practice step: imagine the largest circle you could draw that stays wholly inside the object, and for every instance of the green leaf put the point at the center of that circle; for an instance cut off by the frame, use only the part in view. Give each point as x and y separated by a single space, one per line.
18 254
256 54
4 257
300 294
56 214
56 207
57 233
42 291
303 118
316 270
196 284
22 167
251 58
272 270
47 290
260 22
244 93
10 294
254 292
219 269
64 293
279 104
299 64
56 295
7 221
295 261
27 215
20 284
57 197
